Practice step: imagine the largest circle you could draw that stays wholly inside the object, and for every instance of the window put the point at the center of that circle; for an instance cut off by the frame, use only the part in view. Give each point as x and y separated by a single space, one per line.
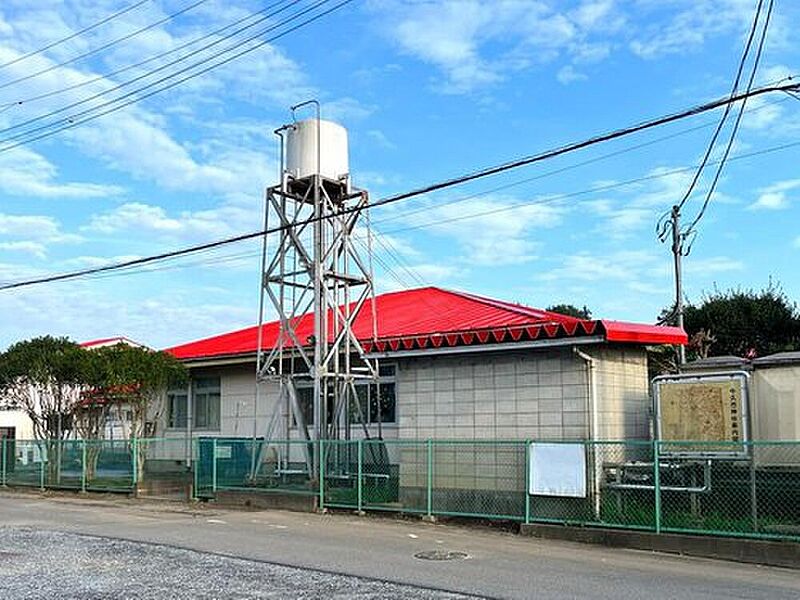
377 402
177 402
206 401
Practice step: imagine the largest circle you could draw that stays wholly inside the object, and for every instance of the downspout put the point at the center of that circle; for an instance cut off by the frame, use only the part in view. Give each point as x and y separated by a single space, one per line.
594 421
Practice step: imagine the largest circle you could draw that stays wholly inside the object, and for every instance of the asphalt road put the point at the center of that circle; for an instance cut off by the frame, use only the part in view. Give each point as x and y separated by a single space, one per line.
499 565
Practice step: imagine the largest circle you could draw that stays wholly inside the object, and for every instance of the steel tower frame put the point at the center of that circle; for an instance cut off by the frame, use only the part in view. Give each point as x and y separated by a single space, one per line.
315 269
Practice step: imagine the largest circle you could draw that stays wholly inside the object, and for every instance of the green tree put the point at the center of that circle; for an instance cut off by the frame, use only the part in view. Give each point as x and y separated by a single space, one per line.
135 379
571 310
138 379
43 376
741 322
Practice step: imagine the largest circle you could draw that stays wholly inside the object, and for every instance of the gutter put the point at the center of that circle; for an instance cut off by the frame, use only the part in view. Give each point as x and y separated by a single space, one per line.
594 420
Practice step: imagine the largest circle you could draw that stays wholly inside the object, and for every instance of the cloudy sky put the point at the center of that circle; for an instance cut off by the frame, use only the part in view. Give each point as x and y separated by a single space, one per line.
428 89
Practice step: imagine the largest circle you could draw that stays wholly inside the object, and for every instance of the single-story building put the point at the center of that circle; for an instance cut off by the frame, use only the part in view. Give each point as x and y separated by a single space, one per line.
453 365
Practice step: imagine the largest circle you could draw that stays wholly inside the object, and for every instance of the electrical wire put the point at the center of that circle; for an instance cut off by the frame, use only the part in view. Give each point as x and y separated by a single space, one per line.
486 172
726 112
709 194
405 214
102 47
71 122
149 73
226 258
74 35
126 68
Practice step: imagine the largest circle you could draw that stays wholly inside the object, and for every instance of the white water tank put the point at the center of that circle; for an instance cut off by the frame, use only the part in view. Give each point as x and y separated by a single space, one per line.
301 149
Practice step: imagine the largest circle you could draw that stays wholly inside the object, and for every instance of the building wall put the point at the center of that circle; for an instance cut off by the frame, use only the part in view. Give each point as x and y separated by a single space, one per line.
525 395
23 427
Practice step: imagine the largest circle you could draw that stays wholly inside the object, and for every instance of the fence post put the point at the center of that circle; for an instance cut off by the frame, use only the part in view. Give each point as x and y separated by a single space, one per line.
321 474
527 481
83 465
4 458
214 465
753 483
360 475
657 484
195 450
429 485
41 468
135 463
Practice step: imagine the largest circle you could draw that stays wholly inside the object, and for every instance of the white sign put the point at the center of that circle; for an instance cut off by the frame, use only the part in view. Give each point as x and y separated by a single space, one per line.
557 470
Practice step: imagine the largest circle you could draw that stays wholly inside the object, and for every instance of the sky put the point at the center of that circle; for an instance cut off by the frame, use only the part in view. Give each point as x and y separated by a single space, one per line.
428 89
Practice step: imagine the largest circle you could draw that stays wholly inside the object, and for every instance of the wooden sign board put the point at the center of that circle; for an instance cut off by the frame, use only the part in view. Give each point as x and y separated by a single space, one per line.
704 409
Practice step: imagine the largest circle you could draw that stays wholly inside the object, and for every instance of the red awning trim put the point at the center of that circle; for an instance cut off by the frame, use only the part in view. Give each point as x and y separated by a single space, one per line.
408 343
452 339
551 329
570 328
499 335
588 327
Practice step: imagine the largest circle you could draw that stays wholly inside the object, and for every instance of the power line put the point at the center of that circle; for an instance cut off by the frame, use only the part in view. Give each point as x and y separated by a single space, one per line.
74 35
145 75
486 172
102 47
548 200
71 122
692 227
140 63
567 168
726 112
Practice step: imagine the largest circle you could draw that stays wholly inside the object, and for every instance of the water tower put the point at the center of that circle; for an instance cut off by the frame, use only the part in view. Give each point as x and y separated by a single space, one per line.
312 270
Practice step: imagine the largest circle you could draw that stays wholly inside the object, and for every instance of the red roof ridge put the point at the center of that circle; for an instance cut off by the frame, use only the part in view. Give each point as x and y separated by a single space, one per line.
522 309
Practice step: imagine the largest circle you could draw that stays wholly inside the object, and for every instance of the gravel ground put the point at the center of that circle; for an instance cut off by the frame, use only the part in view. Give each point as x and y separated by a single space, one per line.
41 564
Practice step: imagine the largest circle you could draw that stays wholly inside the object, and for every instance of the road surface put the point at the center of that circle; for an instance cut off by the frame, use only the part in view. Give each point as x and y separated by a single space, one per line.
497 564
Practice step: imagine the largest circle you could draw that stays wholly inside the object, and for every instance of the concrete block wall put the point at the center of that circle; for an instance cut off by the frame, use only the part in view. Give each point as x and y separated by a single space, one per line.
624 405
534 394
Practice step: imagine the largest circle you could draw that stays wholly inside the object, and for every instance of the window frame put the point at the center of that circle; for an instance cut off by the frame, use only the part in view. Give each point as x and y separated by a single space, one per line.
171 394
390 379
196 395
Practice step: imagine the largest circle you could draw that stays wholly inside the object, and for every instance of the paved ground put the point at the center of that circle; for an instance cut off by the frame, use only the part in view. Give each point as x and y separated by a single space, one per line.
500 565
89 568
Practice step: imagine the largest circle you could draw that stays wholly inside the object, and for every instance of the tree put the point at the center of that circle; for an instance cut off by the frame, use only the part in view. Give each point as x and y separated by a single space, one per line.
739 322
571 310
43 377
135 379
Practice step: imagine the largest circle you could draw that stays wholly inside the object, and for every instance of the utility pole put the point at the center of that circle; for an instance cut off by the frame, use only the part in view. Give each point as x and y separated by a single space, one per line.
677 252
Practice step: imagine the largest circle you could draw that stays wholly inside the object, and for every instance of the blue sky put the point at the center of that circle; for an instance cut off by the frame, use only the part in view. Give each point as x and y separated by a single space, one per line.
428 90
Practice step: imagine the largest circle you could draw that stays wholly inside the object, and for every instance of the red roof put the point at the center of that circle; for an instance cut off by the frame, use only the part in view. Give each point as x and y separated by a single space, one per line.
433 317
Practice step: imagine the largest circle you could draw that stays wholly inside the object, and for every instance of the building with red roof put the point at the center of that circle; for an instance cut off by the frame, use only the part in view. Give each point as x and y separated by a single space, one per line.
453 365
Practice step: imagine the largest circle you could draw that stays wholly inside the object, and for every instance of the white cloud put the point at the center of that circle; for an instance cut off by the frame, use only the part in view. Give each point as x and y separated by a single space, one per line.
497 230
776 196
24 172
567 74
36 249
456 36
147 220
691 26
712 265
40 228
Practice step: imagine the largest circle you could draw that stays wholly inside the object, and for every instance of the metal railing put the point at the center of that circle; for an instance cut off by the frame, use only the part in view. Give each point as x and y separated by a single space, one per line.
739 489
150 466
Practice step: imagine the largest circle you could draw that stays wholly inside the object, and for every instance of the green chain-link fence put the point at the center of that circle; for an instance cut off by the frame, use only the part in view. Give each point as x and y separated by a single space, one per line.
738 489
154 466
